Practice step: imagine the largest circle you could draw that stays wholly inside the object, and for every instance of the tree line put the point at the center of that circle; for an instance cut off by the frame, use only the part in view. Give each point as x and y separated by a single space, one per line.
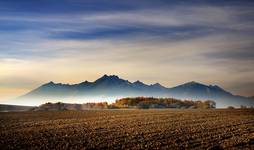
132 103
151 102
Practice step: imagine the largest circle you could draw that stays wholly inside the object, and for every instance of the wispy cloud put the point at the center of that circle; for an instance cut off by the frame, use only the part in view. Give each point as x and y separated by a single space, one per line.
76 40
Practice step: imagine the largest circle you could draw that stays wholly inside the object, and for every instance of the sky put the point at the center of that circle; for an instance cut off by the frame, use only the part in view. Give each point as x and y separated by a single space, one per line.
165 41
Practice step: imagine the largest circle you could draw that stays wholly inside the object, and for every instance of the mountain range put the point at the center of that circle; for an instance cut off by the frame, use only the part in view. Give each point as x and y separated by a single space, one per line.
111 87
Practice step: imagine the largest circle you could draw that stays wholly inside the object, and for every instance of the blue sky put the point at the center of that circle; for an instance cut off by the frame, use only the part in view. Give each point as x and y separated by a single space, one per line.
166 41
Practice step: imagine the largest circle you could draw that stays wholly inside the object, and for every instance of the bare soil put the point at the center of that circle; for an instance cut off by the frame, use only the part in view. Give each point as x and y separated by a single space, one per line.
128 129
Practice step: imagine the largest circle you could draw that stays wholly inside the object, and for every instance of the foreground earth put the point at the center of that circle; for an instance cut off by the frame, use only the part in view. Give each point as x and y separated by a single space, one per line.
128 129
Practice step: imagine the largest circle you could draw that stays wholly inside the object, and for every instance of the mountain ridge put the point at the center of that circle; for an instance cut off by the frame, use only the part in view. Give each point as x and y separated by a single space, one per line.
113 87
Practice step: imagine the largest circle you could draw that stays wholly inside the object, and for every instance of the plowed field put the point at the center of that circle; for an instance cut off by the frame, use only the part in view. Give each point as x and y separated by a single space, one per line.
128 129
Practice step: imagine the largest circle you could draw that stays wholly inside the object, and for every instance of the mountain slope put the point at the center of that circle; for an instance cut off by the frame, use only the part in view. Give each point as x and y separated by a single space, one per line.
198 90
112 87
195 90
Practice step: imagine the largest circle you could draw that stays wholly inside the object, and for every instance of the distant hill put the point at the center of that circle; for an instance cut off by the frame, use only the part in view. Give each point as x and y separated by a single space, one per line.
10 108
252 97
112 87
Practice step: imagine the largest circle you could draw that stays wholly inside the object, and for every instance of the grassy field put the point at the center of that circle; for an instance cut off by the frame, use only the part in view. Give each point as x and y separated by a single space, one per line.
128 129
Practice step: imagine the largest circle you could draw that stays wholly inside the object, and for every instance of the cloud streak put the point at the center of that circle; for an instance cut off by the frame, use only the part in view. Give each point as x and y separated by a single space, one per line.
171 43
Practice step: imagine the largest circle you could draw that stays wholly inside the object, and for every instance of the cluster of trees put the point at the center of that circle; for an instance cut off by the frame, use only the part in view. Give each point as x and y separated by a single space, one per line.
66 106
241 107
136 102
151 102
100 105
